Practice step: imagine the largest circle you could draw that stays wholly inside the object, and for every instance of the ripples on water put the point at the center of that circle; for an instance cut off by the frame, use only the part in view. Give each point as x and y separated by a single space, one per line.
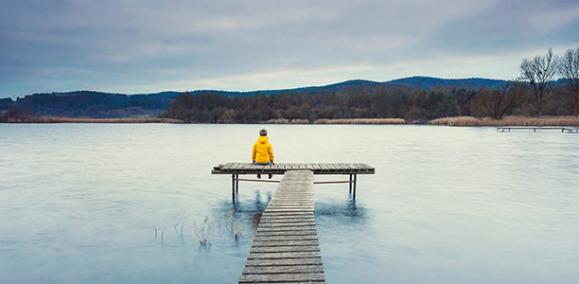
82 203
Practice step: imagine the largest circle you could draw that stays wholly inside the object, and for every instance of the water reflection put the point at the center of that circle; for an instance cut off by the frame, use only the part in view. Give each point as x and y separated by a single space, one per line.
346 213
241 219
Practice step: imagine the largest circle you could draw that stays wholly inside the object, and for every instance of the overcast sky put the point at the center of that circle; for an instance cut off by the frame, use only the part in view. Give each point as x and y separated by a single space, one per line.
149 46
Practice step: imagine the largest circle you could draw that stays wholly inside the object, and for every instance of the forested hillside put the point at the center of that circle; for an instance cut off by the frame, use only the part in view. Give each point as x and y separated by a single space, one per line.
384 101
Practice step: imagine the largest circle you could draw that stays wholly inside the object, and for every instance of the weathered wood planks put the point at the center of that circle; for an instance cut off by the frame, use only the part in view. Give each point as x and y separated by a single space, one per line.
317 169
286 248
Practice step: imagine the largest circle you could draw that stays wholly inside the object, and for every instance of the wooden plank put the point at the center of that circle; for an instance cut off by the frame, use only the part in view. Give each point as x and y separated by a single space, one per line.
267 222
287 233
280 249
289 210
271 223
237 166
284 255
263 238
279 198
274 224
367 166
277 277
306 215
290 206
286 225
348 166
287 219
284 269
291 201
293 204
307 201
281 261
282 243
286 229
289 214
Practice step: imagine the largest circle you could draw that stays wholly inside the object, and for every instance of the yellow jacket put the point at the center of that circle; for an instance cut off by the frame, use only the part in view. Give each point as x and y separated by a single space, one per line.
262 151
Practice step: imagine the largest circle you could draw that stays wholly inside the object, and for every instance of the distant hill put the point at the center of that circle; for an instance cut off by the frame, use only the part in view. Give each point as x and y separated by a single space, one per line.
93 104
110 105
430 82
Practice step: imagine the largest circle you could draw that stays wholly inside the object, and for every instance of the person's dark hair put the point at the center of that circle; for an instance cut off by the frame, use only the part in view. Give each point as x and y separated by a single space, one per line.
263 132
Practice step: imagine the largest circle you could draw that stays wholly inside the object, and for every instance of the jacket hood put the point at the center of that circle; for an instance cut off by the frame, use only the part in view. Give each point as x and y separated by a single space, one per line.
262 139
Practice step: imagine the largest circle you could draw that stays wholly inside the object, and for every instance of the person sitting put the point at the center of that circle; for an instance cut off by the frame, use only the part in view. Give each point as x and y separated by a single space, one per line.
262 151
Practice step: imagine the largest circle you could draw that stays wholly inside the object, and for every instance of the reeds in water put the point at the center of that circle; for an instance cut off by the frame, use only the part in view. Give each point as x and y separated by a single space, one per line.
507 121
287 121
201 231
361 121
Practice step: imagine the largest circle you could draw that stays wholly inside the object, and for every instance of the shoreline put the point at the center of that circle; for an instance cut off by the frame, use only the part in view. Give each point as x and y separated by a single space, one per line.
458 121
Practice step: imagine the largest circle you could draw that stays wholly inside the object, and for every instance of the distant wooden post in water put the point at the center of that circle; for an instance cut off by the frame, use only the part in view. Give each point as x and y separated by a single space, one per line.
286 248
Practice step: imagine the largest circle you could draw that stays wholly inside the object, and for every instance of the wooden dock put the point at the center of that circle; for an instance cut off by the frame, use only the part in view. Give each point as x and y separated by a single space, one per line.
538 128
285 248
236 169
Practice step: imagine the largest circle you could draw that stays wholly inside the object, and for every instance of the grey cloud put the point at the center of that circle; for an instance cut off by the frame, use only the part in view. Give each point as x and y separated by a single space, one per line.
51 45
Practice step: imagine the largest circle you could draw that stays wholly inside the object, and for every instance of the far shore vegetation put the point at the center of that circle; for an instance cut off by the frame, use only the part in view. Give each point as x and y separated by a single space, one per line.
535 98
507 121
55 119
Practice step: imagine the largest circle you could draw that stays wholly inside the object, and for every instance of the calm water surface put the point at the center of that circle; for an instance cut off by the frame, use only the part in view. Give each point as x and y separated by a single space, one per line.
96 203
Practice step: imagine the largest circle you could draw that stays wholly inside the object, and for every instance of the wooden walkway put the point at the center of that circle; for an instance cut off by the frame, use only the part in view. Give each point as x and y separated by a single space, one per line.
285 248
535 128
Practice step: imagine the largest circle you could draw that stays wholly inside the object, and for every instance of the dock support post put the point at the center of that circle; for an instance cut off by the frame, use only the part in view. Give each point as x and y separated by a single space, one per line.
355 181
234 187
237 185
350 184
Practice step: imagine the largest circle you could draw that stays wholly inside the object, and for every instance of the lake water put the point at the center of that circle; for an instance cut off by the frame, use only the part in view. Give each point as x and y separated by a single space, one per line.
98 203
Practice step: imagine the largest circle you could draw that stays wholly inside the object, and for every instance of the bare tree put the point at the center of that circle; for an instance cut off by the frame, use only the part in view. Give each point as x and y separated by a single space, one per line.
538 72
498 103
569 69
